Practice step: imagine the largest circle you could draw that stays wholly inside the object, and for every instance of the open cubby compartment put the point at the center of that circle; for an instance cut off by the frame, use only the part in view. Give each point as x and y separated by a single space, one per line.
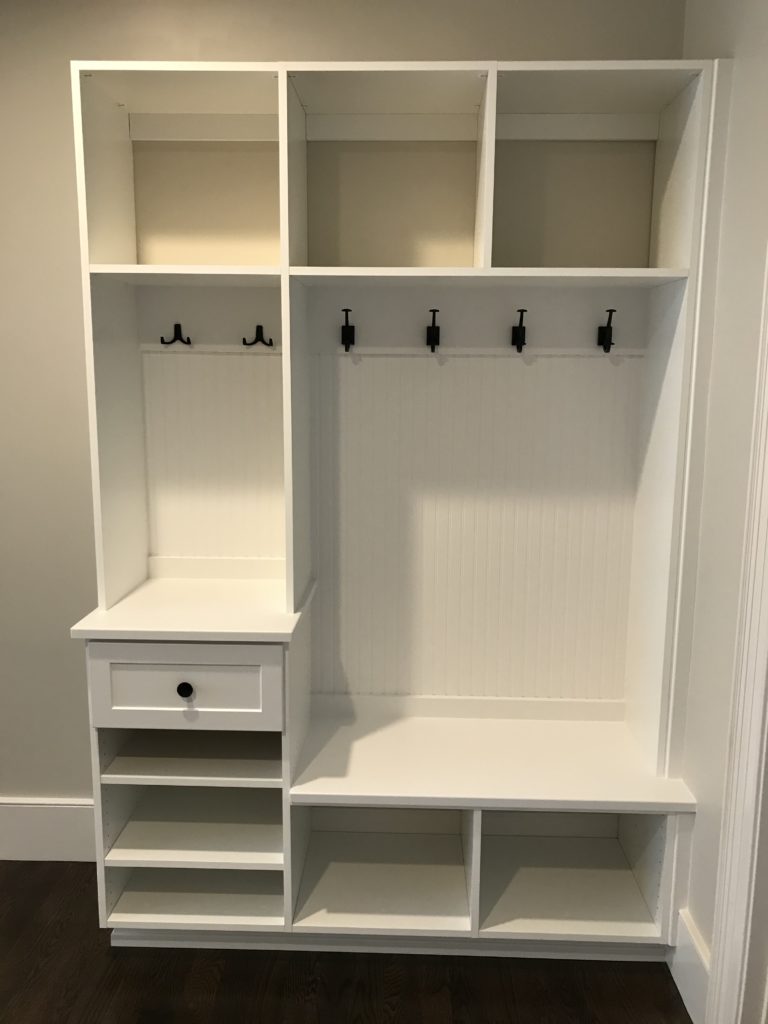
163 757
190 439
192 827
181 167
194 900
496 529
383 871
388 167
591 877
598 167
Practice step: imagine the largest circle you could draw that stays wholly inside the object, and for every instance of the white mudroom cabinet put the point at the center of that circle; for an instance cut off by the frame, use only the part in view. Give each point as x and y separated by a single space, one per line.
391 372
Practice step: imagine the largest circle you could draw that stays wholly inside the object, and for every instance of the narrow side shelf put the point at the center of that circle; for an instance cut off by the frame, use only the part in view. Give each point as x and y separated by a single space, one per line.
174 758
547 887
200 900
381 884
482 762
202 828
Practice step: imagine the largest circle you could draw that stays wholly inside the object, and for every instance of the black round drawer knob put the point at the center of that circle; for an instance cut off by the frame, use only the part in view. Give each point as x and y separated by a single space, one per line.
185 690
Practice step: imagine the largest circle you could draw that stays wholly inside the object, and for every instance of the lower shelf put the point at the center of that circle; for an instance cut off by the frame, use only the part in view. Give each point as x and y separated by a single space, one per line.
199 828
381 883
200 900
545 887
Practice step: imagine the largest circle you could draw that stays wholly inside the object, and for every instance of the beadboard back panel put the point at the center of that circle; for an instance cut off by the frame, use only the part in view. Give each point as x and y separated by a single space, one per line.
475 524
214 458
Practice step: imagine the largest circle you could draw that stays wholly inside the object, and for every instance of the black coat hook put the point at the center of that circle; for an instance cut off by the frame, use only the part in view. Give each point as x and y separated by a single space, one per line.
433 331
177 336
347 331
605 333
259 338
518 332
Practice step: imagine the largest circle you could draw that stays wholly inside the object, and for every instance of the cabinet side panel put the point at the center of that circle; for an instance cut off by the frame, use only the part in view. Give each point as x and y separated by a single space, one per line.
486 150
678 156
648 637
298 368
108 178
120 417
297 178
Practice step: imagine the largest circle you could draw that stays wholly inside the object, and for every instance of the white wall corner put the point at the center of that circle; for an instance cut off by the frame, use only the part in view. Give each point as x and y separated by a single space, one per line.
689 964
46 828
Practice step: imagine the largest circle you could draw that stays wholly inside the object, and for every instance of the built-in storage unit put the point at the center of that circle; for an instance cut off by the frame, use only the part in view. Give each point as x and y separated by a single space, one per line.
391 371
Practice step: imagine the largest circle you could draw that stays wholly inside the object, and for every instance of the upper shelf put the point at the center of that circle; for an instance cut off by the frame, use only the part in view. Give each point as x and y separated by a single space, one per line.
377 759
566 277
179 274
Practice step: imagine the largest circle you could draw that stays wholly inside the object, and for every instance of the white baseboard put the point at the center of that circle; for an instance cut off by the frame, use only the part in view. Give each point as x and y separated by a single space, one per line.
46 828
689 965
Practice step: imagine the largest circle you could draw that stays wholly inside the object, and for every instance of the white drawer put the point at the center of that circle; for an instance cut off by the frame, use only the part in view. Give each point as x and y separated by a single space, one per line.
147 685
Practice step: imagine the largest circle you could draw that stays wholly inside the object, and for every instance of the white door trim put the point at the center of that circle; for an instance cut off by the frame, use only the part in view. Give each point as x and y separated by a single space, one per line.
746 759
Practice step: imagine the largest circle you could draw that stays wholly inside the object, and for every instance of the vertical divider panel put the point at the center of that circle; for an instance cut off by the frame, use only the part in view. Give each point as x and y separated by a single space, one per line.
296 368
471 840
486 154
299 828
293 177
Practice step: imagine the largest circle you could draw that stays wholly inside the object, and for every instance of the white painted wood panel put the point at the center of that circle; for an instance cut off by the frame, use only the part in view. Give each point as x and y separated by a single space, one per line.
475 526
556 888
201 828
654 548
214 456
486 158
108 163
298 385
680 154
122 483
199 900
206 610
294 176
384 759
379 883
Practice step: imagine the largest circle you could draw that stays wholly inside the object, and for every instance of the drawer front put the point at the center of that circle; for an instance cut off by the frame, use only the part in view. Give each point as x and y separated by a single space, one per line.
233 686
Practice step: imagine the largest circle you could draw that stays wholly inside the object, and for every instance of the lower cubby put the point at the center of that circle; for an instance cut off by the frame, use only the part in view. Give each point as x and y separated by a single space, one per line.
194 900
189 827
381 871
572 876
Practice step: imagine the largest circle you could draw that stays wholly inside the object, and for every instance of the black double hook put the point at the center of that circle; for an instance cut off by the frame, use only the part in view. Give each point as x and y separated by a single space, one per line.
259 339
177 336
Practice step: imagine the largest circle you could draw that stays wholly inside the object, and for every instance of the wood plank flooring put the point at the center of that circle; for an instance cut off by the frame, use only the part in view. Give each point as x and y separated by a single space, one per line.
57 967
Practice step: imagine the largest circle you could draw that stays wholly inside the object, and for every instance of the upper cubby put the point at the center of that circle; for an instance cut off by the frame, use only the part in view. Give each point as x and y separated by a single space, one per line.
181 167
597 167
387 167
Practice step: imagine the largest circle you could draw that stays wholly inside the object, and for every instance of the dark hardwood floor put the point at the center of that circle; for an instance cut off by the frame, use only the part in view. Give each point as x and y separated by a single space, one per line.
57 967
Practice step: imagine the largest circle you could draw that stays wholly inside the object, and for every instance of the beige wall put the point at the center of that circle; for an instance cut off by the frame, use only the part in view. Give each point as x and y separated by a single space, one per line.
47 576
736 28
